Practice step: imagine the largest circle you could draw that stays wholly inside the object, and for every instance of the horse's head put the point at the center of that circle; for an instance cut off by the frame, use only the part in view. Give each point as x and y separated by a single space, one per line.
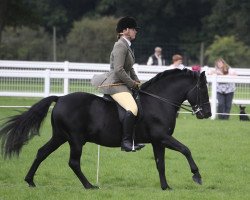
199 99
165 84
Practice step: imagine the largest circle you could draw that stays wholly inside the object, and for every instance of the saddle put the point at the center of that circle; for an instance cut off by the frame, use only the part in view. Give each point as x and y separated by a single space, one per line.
121 110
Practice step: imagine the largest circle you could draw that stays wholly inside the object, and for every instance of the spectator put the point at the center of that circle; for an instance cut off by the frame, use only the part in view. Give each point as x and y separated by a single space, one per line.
177 62
156 58
225 91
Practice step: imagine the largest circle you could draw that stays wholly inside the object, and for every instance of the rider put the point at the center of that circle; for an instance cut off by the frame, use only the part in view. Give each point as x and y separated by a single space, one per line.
121 79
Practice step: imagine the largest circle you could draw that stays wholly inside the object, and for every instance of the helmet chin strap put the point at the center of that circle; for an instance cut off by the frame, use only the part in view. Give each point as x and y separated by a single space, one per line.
126 35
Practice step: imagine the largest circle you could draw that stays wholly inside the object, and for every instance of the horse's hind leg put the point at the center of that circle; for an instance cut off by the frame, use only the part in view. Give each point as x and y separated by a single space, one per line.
159 154
171 143
42 154
74 163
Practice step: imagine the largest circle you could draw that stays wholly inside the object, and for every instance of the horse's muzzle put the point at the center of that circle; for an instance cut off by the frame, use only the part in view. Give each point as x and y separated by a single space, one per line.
207 115
201 115
204 112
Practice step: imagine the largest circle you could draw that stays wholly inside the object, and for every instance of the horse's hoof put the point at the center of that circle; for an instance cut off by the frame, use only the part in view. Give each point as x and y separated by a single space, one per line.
92 187
30 182
167 188
197 179
32 185
95 187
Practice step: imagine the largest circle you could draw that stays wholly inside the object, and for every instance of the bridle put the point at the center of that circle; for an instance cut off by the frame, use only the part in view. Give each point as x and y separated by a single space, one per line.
197 108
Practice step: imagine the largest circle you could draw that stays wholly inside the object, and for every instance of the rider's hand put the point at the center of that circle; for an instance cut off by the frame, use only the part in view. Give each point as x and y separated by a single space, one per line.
136 85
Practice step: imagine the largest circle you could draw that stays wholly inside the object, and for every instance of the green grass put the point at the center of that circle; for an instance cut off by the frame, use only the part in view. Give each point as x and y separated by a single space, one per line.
220 149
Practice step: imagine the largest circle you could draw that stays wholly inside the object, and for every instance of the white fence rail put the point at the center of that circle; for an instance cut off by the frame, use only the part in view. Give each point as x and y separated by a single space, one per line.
41 79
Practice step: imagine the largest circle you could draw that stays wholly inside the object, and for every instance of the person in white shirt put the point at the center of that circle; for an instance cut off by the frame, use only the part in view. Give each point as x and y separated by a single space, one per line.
177 62
156 58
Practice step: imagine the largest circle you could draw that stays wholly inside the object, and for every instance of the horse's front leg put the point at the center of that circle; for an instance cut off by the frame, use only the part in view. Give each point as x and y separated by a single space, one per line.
159 154
171 143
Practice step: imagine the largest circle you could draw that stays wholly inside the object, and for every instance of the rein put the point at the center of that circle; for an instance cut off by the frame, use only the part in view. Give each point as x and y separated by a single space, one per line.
168 101
195 109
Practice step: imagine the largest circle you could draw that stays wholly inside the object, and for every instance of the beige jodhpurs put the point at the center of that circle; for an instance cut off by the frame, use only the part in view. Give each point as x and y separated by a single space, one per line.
126 100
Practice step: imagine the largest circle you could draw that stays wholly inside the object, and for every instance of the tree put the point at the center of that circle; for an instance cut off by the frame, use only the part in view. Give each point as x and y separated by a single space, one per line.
236 53
62 13
229 17
16 13
91 40
3 8
25 44
164 21
178 26
45 13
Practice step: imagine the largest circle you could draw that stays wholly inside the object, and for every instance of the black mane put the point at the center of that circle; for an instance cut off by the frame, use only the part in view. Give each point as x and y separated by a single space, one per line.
166 73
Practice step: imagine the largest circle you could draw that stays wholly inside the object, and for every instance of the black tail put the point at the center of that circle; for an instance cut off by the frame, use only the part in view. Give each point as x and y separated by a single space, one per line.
19 129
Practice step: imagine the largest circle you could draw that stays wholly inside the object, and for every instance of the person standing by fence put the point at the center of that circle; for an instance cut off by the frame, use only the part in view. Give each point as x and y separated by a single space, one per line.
157 58
177 62
225 91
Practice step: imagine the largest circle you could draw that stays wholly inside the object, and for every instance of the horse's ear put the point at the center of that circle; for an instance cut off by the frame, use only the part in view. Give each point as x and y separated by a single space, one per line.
203 77
202 74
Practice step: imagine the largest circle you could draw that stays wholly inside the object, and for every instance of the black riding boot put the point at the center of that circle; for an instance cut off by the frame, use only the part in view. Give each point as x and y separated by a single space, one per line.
128 130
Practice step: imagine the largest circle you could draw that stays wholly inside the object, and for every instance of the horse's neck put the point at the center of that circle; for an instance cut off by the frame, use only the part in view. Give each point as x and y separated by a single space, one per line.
171 89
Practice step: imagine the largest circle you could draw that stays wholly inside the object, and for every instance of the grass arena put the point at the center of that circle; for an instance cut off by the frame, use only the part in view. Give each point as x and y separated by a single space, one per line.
220 148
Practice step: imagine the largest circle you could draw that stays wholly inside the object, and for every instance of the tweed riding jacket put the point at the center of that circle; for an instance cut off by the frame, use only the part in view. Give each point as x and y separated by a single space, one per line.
121 77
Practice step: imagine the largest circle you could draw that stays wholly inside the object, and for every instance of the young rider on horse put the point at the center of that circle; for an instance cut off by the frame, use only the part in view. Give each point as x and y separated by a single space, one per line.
121 79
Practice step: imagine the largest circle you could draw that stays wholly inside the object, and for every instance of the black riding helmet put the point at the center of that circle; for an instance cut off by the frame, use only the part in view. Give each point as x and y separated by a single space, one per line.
126 22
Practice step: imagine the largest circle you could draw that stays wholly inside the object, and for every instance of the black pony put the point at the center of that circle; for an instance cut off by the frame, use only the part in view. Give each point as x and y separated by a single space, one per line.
80 117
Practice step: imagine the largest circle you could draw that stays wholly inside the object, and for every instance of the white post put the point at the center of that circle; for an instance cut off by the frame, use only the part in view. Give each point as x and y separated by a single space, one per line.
98 164
47 83
66 80
214 97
